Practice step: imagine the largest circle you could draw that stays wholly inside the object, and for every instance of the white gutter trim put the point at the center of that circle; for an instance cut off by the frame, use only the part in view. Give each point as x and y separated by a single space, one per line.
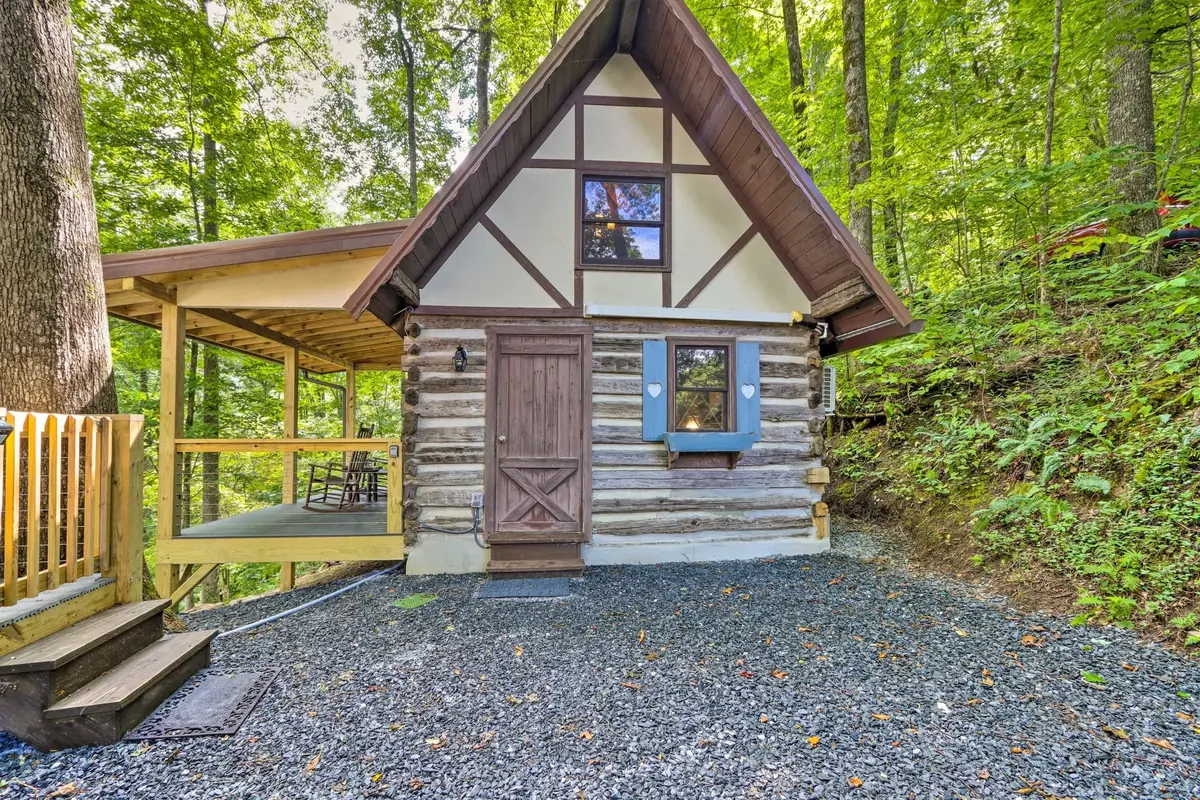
707 315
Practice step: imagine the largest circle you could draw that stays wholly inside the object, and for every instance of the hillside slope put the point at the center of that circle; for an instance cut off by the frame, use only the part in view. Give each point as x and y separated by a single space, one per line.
1056 441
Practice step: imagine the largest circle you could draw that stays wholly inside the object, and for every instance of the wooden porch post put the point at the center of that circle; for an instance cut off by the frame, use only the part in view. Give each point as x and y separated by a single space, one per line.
126 507
291 390
170 430
350 407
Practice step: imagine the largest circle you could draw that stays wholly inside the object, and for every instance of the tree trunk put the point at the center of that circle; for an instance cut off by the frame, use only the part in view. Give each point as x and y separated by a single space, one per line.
791 30
556 22
54 346
410 105
1048 151
891 225
1131 114
210 464
483 110
858 120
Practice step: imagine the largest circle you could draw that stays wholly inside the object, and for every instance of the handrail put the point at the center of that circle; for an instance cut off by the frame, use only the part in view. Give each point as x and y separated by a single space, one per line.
297 445
70 502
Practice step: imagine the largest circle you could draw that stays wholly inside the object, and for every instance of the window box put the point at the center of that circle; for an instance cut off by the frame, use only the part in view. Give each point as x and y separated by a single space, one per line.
733 444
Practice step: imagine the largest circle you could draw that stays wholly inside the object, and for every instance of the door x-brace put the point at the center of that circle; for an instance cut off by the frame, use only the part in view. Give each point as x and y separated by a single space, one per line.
539 493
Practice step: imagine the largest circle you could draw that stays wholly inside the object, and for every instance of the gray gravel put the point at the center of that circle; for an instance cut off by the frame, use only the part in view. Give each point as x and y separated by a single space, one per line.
788 678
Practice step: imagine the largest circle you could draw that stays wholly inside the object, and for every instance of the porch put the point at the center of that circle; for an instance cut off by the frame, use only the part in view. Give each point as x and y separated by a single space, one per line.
278 298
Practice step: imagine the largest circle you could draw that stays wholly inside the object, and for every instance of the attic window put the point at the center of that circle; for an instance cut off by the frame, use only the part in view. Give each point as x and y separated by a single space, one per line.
622 222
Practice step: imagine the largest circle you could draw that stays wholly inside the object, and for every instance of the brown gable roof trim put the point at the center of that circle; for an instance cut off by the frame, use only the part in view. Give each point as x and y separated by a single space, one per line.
714 107
258 248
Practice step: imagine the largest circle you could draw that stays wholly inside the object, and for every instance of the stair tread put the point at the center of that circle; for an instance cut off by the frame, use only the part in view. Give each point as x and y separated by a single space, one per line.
131 678
71 642
538 565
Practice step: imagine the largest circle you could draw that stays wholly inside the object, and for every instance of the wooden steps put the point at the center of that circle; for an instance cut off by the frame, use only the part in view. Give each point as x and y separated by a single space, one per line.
92 682
32 620
72 642
545 559
135 677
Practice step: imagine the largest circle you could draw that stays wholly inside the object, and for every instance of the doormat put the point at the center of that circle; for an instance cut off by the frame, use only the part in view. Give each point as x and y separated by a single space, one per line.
213 703
526 587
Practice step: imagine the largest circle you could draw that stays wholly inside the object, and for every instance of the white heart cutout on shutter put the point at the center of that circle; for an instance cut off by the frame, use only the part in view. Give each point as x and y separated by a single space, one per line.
654 389
747 390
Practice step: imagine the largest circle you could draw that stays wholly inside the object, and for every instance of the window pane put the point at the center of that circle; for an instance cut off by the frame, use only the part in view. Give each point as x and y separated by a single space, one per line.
702 367
610 241
624 200
700 411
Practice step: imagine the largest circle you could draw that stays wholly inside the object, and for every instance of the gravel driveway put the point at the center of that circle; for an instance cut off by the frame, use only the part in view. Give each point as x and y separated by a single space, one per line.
820 676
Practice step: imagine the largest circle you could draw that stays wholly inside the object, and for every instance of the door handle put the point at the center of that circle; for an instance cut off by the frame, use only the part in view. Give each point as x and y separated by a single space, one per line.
502 438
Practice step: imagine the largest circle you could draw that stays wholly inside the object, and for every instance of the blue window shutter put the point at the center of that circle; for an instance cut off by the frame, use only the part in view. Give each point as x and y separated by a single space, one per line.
654 390
749 414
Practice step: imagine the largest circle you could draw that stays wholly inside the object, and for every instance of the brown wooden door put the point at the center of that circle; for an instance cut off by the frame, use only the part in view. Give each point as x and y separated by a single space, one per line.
539 469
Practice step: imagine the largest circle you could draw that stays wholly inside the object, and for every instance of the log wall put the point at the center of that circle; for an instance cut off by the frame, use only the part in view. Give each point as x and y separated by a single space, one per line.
633 492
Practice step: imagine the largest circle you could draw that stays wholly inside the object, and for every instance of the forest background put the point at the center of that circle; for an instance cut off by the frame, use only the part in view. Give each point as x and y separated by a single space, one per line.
1045 428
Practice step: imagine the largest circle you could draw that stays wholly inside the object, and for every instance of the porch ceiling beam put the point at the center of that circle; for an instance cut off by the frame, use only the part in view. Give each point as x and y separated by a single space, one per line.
146 288
241 323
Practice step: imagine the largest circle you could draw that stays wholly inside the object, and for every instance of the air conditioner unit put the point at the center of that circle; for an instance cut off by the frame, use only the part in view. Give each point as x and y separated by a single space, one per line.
829 390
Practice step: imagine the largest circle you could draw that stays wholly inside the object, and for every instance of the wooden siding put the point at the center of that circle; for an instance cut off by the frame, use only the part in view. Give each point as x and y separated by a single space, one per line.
633 492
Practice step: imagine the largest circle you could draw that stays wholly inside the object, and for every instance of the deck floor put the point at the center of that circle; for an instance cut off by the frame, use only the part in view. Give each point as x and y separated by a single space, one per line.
369 519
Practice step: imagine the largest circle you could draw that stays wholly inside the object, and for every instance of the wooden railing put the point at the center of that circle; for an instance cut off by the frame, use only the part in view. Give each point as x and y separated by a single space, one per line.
71 503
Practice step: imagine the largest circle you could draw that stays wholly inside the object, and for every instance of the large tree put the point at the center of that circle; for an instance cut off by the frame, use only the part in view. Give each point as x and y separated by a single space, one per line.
1131 113
54 348
858 118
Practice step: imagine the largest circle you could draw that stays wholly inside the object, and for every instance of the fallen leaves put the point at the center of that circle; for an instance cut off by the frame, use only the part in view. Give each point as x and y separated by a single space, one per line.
746 674
854 781
437 742
587 735
518 651
1029 640
1116 733
1128 667
984 774
414 784
813 741
637 687
883 717
1163 743
641 637
66 790
1093 678
779 674
1183 716
961 632
763 719
313 763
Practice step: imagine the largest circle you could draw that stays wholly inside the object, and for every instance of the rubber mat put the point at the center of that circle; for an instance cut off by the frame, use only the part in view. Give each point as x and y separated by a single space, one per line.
526 587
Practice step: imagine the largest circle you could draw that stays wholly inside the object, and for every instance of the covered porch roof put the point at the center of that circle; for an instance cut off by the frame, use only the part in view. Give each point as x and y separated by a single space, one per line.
266 295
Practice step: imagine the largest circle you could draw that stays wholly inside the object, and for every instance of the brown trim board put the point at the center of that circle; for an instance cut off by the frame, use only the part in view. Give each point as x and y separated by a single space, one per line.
716 268
523 260
610 100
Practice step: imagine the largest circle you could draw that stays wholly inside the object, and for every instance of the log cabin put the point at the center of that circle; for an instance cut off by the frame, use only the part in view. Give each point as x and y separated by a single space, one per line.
611 320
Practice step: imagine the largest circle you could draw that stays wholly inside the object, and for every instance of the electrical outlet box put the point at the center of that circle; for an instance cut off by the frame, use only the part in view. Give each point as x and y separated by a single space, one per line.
477 500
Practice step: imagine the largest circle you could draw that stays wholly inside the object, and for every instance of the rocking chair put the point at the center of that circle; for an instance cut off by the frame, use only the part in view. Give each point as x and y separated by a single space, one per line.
340 486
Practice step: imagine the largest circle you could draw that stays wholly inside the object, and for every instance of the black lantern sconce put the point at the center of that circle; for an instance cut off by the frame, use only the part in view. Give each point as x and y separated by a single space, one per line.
460 359
5 430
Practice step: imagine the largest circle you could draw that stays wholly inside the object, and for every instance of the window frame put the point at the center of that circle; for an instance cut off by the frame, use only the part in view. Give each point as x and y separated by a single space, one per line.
659 176
730 346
